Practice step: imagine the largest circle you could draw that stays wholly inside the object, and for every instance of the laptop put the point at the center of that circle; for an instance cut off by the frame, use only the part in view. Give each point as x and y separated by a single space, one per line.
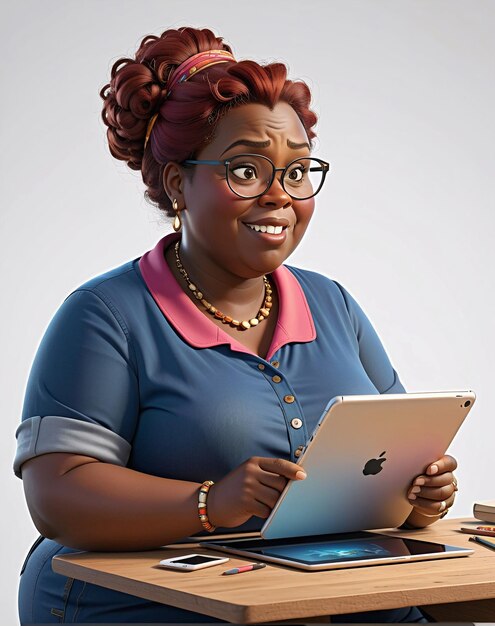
360 462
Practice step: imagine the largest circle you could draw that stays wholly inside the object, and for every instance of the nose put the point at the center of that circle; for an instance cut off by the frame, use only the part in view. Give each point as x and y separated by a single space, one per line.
275 197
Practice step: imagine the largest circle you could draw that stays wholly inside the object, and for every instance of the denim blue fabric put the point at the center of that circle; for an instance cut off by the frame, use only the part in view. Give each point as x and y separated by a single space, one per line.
46 597
112 366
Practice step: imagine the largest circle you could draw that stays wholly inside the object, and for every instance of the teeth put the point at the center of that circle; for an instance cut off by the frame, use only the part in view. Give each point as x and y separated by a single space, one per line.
272 230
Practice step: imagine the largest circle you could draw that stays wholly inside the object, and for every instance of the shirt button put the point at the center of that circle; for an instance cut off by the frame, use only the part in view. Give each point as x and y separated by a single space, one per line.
299 451
275 363
296 423
261 366
289 399
276 379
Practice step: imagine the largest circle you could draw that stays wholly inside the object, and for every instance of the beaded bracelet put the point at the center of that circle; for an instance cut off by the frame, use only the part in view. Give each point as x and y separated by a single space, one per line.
202 510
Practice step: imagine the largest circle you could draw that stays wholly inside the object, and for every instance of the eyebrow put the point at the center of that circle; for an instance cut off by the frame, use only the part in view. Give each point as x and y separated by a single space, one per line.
265 144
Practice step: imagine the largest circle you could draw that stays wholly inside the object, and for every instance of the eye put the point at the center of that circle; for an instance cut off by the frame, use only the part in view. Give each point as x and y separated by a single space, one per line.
296 173
244 172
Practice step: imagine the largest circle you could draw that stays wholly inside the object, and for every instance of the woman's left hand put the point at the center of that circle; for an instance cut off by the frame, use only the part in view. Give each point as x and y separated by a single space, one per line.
433 493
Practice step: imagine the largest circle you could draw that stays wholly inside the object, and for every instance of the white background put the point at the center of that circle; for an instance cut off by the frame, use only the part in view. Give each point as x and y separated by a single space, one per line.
405 95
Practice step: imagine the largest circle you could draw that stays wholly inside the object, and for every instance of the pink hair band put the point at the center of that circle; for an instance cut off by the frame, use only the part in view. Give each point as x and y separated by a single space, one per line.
186 70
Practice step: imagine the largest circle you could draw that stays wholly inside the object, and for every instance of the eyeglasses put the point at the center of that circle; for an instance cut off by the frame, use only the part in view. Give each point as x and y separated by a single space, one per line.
251 175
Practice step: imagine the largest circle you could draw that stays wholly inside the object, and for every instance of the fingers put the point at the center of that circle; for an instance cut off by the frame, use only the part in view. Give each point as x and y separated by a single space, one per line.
266 479
432 507
446 464
266 495
274 481
434 492
434 481
437 484
252 488
272 477
265 500
282 468
437 494
261 510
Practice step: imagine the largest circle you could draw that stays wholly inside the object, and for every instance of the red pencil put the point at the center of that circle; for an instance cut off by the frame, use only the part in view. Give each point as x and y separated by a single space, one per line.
488 531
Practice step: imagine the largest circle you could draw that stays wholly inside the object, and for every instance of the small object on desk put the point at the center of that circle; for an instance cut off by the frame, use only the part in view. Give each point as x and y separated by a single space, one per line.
484 542
488 531
244 568
191 562
485 511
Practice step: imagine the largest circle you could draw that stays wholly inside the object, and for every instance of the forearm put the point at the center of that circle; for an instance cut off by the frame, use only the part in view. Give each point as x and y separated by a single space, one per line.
99 506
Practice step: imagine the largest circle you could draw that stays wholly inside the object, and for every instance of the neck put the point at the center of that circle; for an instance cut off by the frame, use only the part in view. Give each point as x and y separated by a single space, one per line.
235 295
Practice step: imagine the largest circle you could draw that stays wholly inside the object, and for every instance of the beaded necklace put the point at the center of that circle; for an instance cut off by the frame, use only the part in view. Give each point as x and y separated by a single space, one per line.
263 312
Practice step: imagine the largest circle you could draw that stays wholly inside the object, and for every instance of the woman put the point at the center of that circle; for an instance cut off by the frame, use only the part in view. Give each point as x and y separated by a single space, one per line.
205 360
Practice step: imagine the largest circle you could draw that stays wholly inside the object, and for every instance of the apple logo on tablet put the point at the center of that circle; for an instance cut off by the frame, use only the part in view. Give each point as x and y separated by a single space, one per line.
373 466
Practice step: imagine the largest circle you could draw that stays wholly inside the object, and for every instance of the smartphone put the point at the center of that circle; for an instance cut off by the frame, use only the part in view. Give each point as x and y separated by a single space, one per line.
190 562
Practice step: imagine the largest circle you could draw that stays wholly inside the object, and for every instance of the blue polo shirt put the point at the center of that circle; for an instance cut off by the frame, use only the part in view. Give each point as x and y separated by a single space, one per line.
132 373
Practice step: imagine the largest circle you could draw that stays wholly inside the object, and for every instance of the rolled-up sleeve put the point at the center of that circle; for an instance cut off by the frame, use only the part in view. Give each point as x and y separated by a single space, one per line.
372 354
82 393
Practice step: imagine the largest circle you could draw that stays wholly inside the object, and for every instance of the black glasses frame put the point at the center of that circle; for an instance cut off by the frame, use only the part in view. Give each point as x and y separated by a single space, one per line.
325 169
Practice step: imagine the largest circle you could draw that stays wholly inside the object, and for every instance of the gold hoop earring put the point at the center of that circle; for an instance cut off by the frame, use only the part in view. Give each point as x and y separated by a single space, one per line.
177 225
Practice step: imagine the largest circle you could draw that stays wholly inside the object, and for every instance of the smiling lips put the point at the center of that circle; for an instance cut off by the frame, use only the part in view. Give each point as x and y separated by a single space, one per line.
270 226
270 229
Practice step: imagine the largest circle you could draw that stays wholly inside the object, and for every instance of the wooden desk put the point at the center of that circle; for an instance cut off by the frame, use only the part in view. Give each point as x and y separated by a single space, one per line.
458 589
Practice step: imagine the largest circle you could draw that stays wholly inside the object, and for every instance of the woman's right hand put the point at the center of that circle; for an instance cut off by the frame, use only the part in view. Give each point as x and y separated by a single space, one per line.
253 488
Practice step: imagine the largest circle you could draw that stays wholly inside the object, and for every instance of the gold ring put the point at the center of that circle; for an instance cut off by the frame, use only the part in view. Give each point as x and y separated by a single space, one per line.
454 483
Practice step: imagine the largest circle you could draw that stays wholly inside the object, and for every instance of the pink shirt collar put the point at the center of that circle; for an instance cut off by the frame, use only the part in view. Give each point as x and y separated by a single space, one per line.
294 324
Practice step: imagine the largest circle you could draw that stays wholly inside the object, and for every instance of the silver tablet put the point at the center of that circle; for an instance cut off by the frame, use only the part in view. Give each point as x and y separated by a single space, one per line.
361 459
338 551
